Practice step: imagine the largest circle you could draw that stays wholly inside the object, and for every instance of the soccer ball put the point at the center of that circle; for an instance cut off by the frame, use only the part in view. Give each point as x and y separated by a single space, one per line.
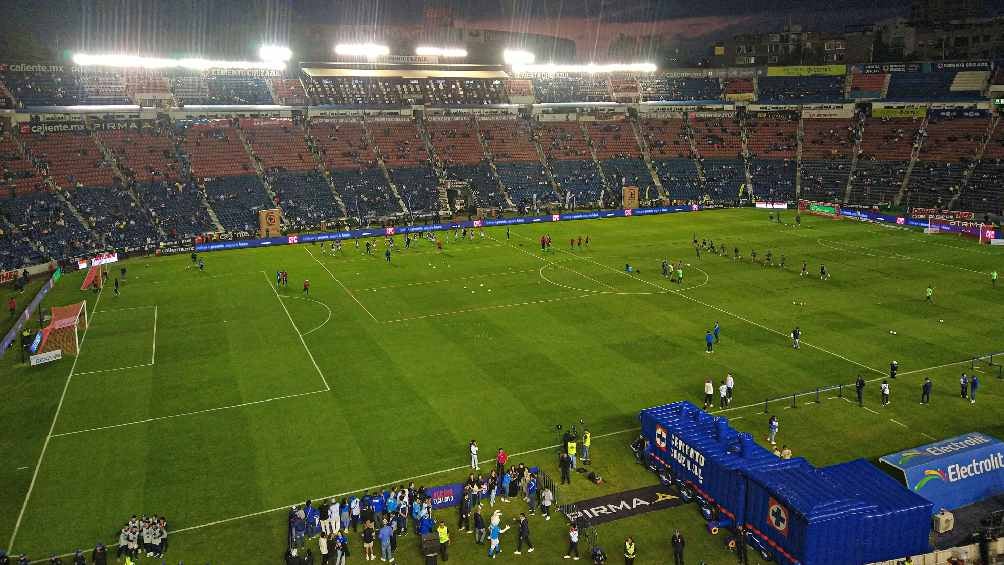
942 321
893 332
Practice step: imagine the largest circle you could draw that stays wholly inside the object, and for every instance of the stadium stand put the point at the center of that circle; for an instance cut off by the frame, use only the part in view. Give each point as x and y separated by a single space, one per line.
115 216
278 145
510 143
365 192
288 92
305 198
462 156
49 224
16 249
886 148
143 82
362 91
950 144
827 152
719 144
983 192
620 157
19 175
146 154
739 89
680 89
342 144
237 200
103 88
224 89
568 155
772 139
190 89
43 87
937 85
868 86
214 149
178 208
440 92
69 159
571 88
403 152
800 90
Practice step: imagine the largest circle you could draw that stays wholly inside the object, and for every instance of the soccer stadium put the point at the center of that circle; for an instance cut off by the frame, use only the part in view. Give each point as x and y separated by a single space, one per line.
305 282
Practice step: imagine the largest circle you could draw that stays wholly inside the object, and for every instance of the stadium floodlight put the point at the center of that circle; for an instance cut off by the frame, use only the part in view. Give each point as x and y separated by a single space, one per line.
593 68
518 57
368 50
274 53
446 52
193 63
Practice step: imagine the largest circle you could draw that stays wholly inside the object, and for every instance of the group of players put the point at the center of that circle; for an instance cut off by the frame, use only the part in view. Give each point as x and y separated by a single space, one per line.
767 261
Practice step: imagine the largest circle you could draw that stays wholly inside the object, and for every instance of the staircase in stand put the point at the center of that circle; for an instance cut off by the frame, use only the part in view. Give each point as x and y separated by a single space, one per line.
800 139
746 158
547 167
491 165
859 133
111 157
442 196
914 156
647 156
383 167
596 162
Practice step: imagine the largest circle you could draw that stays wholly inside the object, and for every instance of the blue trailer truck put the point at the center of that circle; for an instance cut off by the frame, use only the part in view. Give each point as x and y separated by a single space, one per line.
790 511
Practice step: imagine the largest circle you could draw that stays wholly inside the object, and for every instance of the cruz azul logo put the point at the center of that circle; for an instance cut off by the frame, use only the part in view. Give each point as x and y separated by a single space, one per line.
777 517
660 437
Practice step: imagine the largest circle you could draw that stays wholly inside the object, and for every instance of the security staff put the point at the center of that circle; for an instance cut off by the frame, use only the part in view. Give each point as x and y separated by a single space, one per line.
25 343
859 388
629 551
587 439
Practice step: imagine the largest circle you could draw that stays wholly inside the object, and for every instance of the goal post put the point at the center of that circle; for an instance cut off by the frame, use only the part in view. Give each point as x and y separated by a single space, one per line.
975 230
63 331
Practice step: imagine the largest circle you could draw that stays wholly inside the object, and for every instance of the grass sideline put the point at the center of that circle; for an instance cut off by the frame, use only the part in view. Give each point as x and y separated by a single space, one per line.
258 398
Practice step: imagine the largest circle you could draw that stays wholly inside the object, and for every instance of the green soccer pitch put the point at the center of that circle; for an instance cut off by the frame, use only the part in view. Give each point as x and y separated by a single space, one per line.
218 400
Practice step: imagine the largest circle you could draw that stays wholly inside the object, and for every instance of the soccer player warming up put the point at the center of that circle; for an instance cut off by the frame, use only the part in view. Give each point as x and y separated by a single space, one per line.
306 287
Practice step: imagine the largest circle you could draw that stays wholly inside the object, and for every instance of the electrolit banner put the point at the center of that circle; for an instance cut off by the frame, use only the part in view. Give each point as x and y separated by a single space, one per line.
953 472
294 239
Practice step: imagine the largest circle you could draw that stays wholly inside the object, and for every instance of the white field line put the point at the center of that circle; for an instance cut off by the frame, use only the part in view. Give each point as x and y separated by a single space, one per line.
297 330
345 288
324 323
115 369
549 262
52 426
494 307
870 410
153 356
441 281
837 247
724 311
363 489
193 413
897 422
125 309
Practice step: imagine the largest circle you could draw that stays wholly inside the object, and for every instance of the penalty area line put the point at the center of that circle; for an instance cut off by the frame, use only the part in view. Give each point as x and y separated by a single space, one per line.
192 413
52 426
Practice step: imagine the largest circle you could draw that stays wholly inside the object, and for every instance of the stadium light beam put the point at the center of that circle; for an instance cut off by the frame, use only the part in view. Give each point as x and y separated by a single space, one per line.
445 52
368 50
592 68
193 63
274 53
518 57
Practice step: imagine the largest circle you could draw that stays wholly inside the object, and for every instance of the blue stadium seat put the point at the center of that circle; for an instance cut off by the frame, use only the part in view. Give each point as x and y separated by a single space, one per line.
178 208
418 187
237 200
679 178
306 199
483 187
773 179
115 216
525 181
365 193
800 90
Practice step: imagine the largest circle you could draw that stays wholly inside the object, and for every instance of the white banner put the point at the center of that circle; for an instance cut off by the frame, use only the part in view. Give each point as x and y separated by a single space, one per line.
47 357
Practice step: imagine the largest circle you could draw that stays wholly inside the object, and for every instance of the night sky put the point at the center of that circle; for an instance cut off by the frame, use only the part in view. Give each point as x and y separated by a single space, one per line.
234 28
